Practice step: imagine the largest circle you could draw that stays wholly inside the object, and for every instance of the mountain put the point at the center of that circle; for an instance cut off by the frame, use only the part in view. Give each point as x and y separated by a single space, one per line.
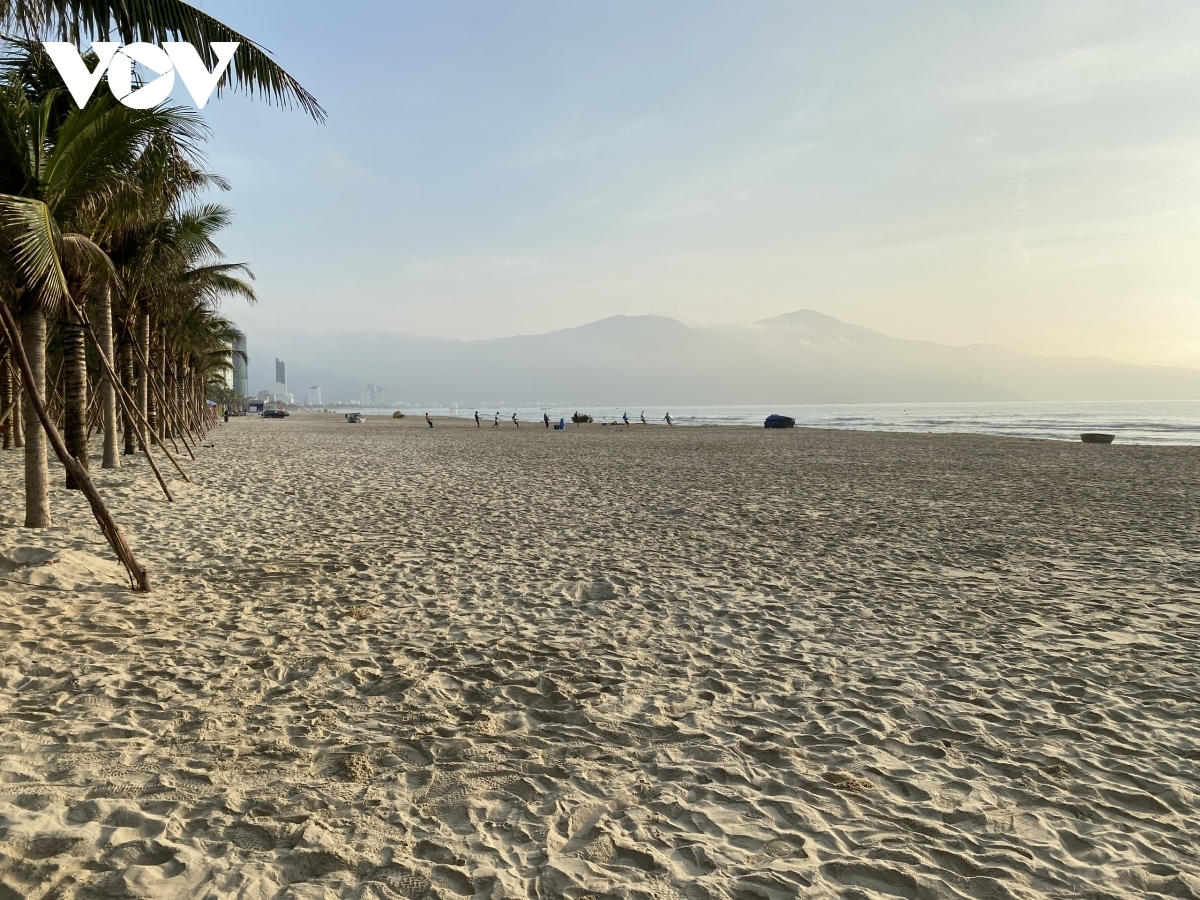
800 357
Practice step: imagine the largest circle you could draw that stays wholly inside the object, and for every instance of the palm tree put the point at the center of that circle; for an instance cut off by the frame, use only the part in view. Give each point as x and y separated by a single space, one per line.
152 256
133 235
173 277
252 69
201 340
73 180
59 173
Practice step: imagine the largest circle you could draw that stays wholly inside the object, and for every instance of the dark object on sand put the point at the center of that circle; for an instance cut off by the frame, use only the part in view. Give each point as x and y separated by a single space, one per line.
1095 437
354 418
275 414
581 418
778 421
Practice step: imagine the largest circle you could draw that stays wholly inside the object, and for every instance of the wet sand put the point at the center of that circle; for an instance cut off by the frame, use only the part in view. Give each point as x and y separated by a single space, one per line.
392 661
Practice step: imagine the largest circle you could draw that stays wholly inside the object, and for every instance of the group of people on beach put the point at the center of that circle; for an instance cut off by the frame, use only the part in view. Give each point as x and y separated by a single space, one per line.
546 419
496 422
625 419
576 418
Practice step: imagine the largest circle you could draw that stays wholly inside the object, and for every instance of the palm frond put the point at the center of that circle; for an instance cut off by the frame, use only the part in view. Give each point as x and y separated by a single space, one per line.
15 176
84 258
252 69
95 145
34 243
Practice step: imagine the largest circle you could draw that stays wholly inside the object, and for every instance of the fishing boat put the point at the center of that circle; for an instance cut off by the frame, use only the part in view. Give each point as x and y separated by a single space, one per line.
1095 437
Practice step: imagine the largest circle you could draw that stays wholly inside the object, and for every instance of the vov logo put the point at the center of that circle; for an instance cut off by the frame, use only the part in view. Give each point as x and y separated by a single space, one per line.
165 61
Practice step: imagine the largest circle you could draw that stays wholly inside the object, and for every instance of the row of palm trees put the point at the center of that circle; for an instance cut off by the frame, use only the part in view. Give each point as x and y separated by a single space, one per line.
110 277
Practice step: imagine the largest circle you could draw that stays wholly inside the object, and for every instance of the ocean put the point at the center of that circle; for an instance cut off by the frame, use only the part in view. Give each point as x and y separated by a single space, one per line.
1165 422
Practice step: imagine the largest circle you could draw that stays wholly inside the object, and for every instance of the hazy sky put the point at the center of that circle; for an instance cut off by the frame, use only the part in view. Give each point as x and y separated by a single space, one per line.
1021 173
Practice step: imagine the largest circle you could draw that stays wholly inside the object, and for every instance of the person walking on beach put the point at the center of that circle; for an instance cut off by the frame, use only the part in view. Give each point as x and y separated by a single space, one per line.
496 424
625 416
477 425
668 418
428 421
546 419
643 417
515 422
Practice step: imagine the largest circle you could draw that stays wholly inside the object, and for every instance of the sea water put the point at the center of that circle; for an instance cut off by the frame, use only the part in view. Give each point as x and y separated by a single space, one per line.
1142 423
1165 422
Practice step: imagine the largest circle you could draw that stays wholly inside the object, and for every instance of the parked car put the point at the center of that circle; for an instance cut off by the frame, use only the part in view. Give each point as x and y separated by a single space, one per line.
275 414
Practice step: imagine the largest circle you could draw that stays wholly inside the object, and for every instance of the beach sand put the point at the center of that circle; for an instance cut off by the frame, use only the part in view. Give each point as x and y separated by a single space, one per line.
390 661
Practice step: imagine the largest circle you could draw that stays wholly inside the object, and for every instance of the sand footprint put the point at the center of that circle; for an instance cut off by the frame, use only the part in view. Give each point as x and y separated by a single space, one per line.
778 848
251 837
409 885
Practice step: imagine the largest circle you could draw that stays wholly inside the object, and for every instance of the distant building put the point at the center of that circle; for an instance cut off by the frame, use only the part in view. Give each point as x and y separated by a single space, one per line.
312 397
281 391
372 396
241 380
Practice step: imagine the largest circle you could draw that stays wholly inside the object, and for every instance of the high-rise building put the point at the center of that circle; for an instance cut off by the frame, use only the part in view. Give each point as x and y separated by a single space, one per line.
241 381
312 396
280 381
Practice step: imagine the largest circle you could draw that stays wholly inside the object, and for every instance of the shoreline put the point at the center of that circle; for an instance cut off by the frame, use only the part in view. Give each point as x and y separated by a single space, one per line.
416 420
1168 423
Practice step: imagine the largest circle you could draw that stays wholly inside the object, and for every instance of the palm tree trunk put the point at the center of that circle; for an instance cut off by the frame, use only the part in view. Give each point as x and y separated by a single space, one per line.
6 398
137 575
127 381
108 392
164 427
178 421
18 417
75 392
145 397
37 468
187 398
127 404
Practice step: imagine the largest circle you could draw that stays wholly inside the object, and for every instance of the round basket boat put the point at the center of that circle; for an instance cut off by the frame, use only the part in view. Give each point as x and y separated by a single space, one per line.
1095 437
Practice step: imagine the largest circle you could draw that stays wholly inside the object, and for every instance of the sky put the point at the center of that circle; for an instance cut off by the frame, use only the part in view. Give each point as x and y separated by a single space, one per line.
1019 173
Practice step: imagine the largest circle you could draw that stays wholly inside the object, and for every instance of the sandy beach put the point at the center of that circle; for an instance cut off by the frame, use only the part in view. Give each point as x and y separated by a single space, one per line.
392 661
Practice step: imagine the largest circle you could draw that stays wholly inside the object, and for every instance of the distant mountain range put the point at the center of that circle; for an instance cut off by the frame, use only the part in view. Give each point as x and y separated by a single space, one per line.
800 357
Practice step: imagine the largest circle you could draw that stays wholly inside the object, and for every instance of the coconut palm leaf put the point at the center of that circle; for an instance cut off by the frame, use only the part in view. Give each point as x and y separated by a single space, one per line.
14 152
252 69
34 244
81 254
159 179
215 281
93 149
